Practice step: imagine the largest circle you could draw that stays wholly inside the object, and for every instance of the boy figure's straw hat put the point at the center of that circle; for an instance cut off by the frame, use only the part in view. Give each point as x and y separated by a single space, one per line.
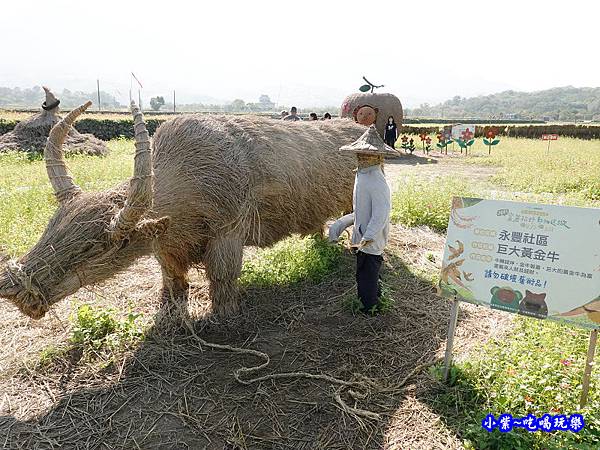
370 143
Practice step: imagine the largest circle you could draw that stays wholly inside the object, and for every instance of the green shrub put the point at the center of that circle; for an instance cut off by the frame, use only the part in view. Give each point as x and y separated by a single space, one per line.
7 125
290 261
426 202
98 327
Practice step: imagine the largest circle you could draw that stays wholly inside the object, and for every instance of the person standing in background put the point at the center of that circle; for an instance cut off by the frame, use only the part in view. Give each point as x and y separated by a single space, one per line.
313 116
293 115
391 132
326 116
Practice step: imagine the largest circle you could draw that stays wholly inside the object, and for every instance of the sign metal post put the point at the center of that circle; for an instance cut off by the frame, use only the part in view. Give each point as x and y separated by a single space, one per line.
549 137
587 373
450 341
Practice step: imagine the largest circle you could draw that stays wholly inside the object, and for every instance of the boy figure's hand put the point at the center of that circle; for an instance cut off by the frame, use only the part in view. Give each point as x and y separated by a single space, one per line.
362 243
365 243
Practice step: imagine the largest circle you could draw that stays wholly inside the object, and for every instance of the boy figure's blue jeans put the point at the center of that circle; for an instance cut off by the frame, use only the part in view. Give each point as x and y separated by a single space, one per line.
367 279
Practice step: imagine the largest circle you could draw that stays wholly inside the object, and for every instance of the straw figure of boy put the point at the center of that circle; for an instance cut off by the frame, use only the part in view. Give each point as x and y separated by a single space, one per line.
370 216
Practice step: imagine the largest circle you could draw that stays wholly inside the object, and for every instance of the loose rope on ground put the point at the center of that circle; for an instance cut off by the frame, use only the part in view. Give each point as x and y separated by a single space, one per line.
367 385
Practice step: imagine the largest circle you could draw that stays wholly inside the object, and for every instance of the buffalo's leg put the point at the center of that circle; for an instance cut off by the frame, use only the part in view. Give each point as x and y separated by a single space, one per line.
223 263
175 281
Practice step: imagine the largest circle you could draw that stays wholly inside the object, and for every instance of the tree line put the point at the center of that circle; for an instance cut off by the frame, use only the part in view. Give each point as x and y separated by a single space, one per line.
556 104
33 97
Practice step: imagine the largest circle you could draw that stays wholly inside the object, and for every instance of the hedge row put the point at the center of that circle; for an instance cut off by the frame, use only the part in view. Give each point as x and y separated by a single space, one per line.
7 125
522 131
469 121
107 129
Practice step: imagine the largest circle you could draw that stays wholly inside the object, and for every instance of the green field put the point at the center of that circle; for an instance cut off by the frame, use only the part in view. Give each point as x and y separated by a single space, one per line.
521 373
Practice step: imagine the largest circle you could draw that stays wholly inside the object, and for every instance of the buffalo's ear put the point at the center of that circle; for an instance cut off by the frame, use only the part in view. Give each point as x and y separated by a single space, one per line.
152 228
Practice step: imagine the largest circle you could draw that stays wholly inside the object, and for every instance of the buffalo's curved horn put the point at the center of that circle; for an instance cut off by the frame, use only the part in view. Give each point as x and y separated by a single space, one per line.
58 172
139 196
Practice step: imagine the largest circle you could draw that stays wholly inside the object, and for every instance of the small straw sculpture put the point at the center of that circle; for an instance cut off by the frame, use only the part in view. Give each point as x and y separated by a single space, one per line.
30 135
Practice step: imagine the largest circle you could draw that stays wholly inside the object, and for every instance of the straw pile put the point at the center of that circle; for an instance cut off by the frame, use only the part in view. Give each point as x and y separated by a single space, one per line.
30 135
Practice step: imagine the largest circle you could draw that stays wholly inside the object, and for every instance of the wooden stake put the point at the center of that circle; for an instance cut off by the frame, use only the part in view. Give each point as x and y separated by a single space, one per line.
98 86
450 340
587 373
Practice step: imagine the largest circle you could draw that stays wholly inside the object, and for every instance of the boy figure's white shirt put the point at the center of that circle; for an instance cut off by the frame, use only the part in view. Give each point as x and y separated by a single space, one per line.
371 216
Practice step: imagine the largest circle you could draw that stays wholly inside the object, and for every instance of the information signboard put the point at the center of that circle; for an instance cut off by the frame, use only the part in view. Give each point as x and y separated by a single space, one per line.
541 261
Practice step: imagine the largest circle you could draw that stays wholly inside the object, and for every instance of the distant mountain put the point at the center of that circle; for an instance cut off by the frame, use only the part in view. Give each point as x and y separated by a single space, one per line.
562 103
33 98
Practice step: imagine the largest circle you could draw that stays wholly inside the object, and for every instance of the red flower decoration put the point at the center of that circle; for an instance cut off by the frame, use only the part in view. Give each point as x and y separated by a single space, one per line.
423 136
439 137
467 135
428 140
492 133
404 138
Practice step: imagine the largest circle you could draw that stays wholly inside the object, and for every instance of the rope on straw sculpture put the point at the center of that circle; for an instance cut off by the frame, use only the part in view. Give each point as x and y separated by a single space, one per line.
61 193
27 288
368 385
129 216
54 158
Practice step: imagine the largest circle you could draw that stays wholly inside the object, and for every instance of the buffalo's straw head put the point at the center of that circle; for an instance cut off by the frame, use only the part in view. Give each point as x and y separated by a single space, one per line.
91 236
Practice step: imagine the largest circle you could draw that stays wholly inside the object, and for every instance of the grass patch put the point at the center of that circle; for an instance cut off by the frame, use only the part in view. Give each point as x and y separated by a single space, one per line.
353 304
426 202
51 354
97 333
26 197
571 166
292 260
537 369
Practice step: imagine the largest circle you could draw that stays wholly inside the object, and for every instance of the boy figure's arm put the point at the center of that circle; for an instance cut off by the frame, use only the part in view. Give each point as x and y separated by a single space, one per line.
337 228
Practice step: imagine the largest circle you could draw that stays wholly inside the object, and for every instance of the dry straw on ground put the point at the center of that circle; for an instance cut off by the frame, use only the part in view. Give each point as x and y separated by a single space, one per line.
174 391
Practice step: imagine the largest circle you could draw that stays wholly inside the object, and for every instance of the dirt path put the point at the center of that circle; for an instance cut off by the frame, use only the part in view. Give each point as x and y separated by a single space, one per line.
171 392
437 166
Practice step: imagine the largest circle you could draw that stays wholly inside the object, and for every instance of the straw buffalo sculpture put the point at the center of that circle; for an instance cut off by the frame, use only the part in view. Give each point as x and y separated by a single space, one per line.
206 187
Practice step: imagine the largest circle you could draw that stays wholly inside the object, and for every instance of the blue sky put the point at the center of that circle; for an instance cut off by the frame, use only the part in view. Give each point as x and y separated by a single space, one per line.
304 52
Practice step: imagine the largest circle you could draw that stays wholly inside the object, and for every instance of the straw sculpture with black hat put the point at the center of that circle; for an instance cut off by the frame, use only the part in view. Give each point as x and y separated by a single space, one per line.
30 135
371 215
